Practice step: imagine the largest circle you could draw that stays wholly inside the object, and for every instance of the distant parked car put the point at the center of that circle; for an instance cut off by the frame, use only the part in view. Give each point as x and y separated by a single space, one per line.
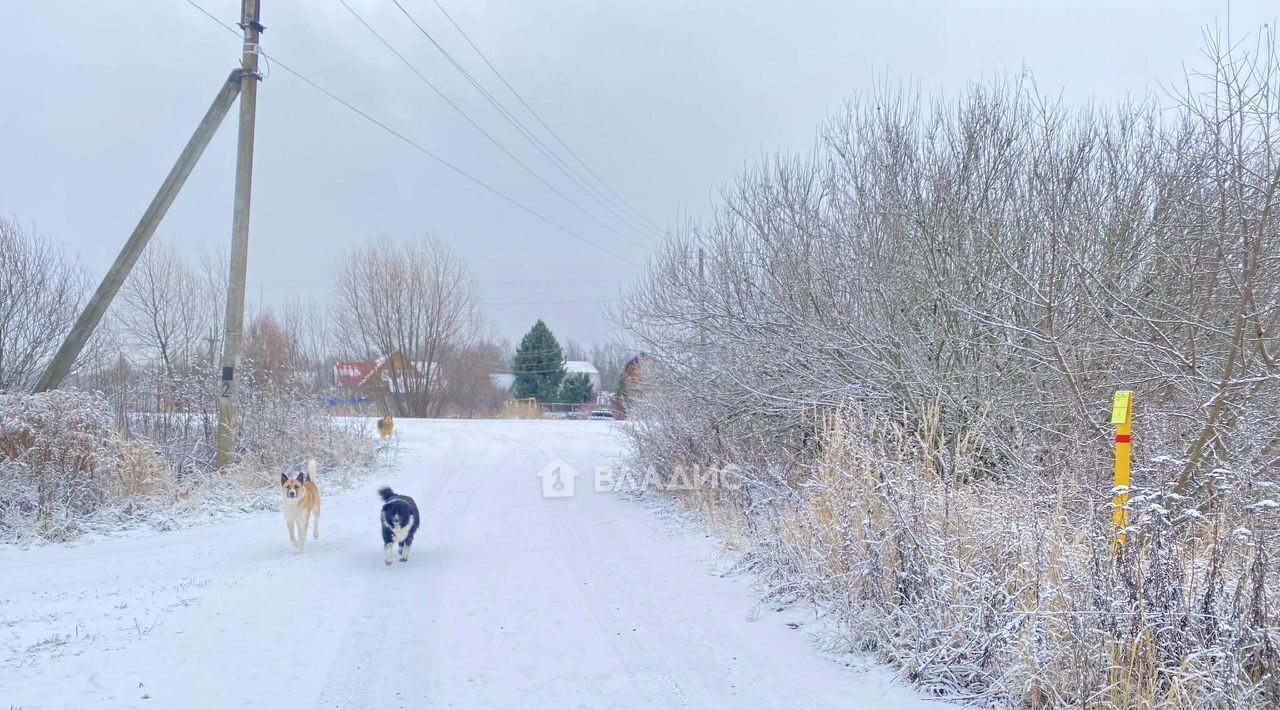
601 414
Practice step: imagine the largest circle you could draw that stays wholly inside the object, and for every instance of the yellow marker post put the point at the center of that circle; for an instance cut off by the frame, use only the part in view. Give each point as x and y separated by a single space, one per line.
1122 417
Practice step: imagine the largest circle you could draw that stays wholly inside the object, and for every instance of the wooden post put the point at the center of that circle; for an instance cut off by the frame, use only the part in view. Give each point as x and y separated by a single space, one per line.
249 16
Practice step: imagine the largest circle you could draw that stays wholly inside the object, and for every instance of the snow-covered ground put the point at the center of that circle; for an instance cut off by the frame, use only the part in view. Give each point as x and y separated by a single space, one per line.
511 600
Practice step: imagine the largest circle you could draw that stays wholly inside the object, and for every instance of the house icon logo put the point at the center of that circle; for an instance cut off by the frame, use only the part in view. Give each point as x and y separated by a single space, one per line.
558 479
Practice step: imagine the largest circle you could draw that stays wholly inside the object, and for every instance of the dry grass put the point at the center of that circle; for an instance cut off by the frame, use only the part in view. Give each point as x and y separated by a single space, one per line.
140 471
1007 593
521 409
67 464
55 460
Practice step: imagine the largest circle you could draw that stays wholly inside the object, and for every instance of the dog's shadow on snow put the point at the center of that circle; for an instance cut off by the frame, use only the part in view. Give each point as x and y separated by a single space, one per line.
347 550
365 558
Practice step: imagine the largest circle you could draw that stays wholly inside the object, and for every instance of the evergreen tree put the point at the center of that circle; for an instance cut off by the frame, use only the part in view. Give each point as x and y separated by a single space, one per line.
620 394
622 390
539 365
576 389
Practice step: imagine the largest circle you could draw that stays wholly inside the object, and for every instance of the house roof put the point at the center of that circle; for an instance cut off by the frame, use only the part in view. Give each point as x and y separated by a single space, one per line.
580 367
351 372
412 369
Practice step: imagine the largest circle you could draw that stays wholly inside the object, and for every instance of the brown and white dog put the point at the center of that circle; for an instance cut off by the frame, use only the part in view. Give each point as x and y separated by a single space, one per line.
301 502
386 426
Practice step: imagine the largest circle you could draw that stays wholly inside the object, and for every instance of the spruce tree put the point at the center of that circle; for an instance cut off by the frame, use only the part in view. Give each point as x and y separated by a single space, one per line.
539 365
576 389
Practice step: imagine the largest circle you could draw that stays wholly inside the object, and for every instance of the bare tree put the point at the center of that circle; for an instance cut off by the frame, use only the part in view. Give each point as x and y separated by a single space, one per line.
311 324
467 381
409 302
964 283
273 350
214 264
573 350
610 358
41 294
161 310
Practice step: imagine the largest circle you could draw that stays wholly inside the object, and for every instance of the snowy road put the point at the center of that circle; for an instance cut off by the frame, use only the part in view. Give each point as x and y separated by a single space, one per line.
511 600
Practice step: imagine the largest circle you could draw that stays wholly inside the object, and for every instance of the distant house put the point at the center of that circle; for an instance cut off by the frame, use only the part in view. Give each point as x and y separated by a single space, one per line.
583 367
346 378
631 372
505 381
350 374
396 374
632 382
377 378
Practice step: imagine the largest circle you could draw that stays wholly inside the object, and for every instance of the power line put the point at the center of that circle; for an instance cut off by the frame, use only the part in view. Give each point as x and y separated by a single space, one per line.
551 303
483 132
516 123
483 282
528 134
495 191
213 17
558 282
538 118
477 181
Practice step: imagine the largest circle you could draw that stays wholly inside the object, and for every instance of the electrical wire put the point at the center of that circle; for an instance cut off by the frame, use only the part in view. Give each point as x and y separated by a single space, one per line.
213 17
475 180
551 303
485 133
538 118
515 122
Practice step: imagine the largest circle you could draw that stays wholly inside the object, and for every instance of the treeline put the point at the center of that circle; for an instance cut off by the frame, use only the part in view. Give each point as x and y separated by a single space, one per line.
162 335
409 303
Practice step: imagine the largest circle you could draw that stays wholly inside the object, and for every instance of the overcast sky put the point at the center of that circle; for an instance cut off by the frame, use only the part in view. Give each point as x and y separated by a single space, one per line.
664 100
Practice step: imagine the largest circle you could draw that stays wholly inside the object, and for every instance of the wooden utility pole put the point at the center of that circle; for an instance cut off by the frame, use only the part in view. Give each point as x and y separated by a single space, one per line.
249 22
128 256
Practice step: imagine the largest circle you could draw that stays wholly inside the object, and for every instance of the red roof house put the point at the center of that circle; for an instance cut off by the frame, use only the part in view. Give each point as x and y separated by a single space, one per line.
351 373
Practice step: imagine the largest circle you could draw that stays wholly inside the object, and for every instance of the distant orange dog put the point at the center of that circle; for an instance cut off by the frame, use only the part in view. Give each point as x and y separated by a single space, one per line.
386 426
301 502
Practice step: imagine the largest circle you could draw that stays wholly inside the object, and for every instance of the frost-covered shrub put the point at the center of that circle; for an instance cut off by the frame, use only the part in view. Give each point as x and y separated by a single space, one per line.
1009 594
280 423
1012 593
960 285
58 461
281 426
1012 258
72 461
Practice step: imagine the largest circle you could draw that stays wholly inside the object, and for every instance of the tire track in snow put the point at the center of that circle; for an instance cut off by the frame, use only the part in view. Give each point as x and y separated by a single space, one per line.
652 678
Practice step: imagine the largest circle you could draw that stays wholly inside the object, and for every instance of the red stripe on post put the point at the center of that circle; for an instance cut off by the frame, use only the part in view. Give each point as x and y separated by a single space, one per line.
1123 438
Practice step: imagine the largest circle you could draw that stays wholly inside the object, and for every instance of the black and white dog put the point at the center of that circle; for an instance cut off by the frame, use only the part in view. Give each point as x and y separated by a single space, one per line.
399 522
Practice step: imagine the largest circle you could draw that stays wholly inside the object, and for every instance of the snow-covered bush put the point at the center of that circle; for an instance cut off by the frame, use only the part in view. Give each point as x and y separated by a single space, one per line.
281 426
907 345
280 422
72 461
58 461
1013 594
